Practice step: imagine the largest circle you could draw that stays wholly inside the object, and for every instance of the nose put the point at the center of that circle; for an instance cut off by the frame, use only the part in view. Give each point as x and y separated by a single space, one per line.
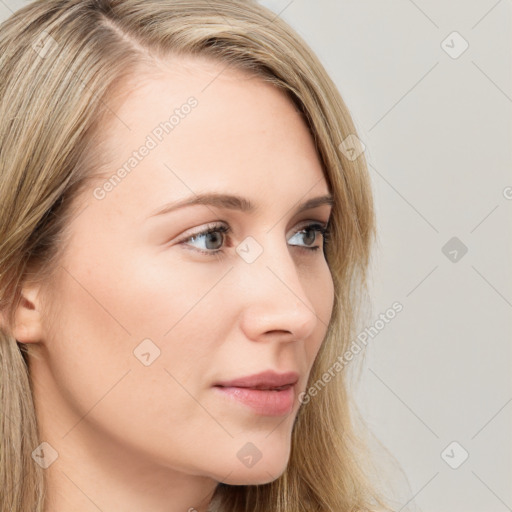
272 296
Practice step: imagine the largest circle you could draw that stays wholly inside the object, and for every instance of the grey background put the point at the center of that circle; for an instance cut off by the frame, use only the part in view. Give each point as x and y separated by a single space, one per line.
438 137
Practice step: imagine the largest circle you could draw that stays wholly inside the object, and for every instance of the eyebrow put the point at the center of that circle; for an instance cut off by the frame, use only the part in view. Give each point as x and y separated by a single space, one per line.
233 202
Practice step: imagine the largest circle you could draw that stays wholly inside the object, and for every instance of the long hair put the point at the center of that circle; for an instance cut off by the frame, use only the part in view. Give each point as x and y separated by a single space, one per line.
62 63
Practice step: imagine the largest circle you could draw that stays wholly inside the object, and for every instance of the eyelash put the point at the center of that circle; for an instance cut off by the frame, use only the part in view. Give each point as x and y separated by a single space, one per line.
321 228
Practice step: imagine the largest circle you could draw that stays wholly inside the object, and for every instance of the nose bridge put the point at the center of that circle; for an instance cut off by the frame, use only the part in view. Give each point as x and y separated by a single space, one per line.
274 298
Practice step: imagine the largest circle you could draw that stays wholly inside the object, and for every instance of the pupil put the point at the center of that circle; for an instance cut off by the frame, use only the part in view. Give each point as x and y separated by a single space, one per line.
213 235
312 235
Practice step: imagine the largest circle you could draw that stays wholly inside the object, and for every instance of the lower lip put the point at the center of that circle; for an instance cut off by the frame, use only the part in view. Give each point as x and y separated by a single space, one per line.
266 402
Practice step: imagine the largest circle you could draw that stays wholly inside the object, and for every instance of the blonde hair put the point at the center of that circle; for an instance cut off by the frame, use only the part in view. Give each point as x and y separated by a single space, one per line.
63 62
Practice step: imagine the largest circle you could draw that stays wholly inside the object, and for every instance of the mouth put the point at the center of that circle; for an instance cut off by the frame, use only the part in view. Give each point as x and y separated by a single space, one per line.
267 393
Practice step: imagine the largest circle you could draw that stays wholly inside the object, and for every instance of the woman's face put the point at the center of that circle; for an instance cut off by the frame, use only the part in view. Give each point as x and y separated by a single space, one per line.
149 315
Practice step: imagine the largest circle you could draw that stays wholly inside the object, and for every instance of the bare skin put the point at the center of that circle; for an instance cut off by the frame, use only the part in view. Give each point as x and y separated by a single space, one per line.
160 437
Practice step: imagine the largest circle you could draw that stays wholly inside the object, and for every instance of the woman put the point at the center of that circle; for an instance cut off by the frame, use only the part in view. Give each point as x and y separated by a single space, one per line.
184 246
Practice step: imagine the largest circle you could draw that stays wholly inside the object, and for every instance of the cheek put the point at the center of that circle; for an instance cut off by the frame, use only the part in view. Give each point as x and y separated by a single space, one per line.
104 314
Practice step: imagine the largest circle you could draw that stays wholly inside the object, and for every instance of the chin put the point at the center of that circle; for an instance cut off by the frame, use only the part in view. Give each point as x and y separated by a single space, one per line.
254 477
262 472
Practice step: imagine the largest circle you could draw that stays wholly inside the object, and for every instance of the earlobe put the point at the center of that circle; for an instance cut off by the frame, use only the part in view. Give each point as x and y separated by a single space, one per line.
27 319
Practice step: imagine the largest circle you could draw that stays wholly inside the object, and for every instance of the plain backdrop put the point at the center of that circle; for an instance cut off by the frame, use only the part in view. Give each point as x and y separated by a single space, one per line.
429 86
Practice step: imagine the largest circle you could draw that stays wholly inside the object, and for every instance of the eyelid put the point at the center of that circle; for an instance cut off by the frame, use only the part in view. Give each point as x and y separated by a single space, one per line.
219 224
200 231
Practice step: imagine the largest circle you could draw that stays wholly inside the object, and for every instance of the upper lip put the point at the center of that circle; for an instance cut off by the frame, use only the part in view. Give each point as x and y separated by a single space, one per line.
264 380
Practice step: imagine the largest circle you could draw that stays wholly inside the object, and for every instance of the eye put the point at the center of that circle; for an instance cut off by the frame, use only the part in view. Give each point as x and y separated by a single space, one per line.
214 235
311 232
211 236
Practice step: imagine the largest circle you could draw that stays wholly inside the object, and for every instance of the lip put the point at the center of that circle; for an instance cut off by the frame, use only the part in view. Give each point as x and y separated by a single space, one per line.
261 401
270 401
268 379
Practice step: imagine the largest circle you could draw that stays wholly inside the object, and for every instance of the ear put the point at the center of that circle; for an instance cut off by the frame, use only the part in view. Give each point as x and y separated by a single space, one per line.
27 326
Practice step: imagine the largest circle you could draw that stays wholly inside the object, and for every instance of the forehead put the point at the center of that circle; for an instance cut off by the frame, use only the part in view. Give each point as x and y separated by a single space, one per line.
196 124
